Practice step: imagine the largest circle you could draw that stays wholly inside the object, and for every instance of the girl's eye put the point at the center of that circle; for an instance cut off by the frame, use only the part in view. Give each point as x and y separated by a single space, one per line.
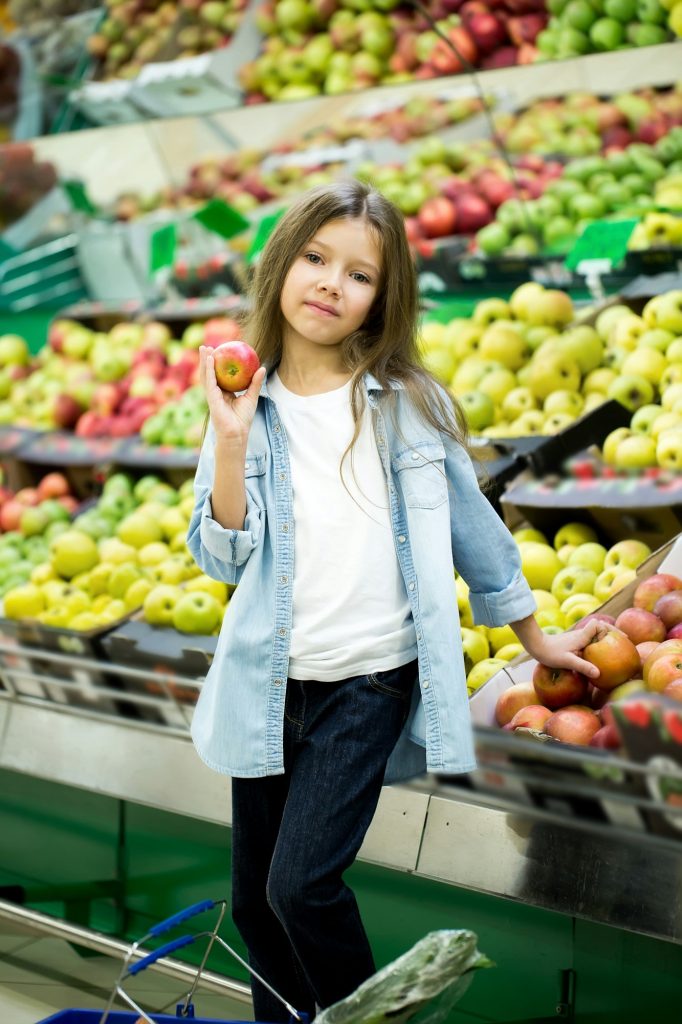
313 257
359 276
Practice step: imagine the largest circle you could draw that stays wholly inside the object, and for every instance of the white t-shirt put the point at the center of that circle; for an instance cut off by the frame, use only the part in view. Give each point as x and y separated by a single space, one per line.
351 615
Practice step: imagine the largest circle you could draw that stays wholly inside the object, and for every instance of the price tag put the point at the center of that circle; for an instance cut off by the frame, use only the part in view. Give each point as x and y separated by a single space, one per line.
78 197
162 246
602 240
263 232
222 219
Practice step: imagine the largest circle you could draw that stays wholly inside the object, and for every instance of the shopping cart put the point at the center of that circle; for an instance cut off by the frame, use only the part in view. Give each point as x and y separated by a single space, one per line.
132 967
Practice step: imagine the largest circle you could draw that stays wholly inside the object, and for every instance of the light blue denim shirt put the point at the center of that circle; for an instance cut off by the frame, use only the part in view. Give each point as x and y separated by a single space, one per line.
439 518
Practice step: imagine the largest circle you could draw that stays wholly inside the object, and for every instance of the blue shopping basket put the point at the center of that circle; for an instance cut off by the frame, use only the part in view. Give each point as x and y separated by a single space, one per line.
132 967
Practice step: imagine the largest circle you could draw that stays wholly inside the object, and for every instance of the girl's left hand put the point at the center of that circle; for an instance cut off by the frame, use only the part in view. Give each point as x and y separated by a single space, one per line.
562 650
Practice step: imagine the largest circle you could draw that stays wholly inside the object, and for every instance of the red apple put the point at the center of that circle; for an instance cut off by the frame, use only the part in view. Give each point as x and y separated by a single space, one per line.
221 329
235 364
54 485
68 502
437 217
10 515
487 31
573 724
646 648
675 633
27 496
641 625
66 412
669 609
598 616
608 738
473 213
649 590
557 687
512 700
615 656
532 717
673 689
667 647
662 672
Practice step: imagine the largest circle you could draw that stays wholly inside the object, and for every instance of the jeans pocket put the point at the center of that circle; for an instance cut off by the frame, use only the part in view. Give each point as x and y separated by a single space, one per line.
395 682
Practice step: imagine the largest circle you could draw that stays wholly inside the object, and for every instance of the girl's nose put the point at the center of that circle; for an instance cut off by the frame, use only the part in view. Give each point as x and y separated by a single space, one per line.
329 284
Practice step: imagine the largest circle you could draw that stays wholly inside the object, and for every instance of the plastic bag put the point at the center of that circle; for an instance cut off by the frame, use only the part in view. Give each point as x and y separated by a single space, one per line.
422 985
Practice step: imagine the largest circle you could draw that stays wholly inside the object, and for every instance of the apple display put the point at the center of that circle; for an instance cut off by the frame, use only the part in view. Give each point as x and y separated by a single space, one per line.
653 587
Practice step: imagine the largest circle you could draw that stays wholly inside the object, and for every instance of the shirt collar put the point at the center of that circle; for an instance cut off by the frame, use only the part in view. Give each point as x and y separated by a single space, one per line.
371 384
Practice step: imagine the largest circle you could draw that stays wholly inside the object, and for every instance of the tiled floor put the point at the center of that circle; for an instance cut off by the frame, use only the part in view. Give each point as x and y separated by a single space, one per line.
39 976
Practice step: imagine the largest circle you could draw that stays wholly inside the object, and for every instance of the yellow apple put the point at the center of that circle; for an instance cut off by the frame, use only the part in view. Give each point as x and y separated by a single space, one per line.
499 636
550 617
574 533
509 651
475 648
122 577
565 552
202 582
647 363
139 529
152 554
626 554
545 600
591 555
482 671
114 551
529 533
539 563
136 593
611 442
24 602
85 621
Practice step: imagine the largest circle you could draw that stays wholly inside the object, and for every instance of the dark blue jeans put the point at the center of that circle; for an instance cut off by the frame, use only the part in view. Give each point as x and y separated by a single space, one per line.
294 835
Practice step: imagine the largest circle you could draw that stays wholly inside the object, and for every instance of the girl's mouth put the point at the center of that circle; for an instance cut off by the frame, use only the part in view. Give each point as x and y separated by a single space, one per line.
321 309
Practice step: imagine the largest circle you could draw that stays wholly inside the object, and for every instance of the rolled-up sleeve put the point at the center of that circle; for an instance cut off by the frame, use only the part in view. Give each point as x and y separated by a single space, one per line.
483 550
218 552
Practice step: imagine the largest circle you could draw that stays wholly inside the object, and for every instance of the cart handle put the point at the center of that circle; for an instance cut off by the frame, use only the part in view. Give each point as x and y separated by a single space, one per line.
182 915
151 958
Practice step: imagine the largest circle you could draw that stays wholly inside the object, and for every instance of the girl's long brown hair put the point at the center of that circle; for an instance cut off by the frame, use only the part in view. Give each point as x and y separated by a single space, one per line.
386 344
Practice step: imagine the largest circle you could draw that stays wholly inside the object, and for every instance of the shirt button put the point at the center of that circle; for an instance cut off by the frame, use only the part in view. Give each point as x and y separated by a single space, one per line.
402 538
425 684
285 528
381 439
282 632
411 586
278 682
283 579
277 430
419 636
247 465
415 455
282 476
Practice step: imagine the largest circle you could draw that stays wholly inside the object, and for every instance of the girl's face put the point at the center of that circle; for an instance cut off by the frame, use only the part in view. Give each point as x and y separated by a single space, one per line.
332 283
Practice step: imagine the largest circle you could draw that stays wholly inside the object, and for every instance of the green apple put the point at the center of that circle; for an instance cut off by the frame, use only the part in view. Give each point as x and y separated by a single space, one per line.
197 612
545 600
558 421
505 345
531 422
159 604
517 401
610 581
671 396
584 346
626 554
171 522
207 585
479 409
636 452
599 380
483 671
563 401
122 577
611 442
574 533
493 239
644 418
136 593
522 298
657 339
551 617
539 564
590 555
14 351
497 383
475 648
669 449
553 372
138 529
671 375
607 34
574 579
647 363
73 552
669 311
144 485
632 391
24 602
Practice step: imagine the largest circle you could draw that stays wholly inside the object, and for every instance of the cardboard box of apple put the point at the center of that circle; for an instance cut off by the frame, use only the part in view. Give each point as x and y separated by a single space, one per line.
525 366
641 653
571 577
110 384
104 565
635 180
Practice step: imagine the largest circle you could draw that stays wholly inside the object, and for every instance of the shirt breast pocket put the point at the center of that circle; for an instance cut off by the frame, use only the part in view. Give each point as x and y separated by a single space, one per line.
420 471
254 477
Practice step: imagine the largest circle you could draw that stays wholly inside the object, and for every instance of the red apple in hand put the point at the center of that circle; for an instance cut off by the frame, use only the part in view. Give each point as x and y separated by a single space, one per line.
557 687
235 363
615 656
641 625
573 724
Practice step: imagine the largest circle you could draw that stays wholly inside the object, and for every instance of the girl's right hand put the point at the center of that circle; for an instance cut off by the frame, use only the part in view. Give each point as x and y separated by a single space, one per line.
231 415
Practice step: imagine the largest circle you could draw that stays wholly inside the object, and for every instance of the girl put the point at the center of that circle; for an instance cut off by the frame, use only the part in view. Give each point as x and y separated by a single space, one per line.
339 665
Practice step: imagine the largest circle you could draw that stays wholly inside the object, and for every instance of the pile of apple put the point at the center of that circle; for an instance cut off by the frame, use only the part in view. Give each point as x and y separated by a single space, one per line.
136 33
107 562
594 26
178 424
631 181
23 179
30 519
641 653
106 384
582 124
524 367
646 351
570 577
315 46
